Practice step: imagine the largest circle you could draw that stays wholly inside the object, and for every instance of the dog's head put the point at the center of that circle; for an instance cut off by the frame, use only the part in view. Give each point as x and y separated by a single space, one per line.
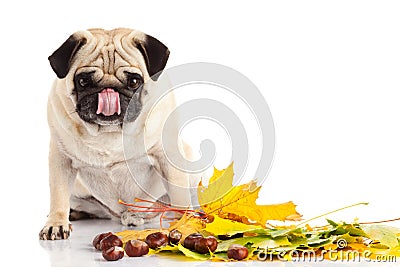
105 70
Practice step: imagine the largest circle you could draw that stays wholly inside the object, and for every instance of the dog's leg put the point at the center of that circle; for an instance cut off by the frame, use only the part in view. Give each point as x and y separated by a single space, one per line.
176 182
178 188
88 208
62 176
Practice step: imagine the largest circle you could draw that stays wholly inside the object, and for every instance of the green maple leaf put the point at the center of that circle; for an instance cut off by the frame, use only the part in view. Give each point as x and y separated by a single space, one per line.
386 235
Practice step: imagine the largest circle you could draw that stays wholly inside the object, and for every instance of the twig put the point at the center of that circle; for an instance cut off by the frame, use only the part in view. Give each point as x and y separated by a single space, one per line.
323 215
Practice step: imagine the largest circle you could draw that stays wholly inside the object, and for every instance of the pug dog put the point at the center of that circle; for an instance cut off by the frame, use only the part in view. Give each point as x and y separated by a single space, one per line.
100 74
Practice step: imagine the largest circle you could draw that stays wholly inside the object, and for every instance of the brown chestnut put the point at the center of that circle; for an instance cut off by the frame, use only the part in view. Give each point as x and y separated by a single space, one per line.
190 240
156 240
209 219
237 252
206 244
174 236
98 238
136 248
113 253
110 241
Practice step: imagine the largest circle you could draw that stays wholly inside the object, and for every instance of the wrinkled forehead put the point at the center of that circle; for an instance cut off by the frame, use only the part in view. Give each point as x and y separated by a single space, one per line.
112 53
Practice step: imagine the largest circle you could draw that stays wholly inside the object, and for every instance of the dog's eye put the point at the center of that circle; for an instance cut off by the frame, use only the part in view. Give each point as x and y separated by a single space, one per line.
134 81
84 81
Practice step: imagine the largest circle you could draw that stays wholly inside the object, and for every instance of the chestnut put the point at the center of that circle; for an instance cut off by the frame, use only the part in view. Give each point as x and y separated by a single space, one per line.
156 240
206 244
136 248
113 253
237 252
190 240
174 236
98 238
110 241
209 219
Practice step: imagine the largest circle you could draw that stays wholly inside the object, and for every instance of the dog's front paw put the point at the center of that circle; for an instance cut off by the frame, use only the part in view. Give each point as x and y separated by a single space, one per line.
55 231
129 218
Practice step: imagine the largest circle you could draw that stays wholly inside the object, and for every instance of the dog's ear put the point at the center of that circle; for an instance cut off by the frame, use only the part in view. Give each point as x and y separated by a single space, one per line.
155 55
61 59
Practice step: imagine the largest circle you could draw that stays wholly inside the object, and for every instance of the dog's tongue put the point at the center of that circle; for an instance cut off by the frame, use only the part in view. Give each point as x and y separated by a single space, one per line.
108 102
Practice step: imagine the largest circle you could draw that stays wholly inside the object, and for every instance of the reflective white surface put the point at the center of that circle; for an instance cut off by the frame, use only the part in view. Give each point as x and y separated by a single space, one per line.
78 251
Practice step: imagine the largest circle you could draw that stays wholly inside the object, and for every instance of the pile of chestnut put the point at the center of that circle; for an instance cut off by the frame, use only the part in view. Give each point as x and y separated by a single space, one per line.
112 246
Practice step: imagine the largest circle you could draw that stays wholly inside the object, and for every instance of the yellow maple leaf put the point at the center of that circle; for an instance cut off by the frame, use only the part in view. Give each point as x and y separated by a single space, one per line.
222 198
221 226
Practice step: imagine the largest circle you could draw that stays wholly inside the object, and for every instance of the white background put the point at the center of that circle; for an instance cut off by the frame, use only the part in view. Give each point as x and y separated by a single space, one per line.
329 71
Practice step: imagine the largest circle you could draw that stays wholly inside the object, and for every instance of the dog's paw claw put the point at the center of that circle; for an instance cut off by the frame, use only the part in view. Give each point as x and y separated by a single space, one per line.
129 218
55 232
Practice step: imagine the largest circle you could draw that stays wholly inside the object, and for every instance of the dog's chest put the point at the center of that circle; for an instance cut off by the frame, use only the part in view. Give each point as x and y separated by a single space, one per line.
97 153
124 180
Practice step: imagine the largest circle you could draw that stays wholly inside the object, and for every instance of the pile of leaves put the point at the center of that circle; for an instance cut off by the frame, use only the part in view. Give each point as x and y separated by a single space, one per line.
230 213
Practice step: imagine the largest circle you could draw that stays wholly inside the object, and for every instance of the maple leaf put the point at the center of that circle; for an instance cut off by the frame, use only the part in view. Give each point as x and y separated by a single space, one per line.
221 226
386 235
228 201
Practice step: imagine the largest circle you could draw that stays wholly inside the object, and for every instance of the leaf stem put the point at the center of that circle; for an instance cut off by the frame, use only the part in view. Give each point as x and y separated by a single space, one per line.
325 214
384 221
161 208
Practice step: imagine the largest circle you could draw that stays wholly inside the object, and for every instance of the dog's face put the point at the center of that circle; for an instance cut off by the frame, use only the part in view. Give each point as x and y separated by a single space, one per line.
105 70
104 98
